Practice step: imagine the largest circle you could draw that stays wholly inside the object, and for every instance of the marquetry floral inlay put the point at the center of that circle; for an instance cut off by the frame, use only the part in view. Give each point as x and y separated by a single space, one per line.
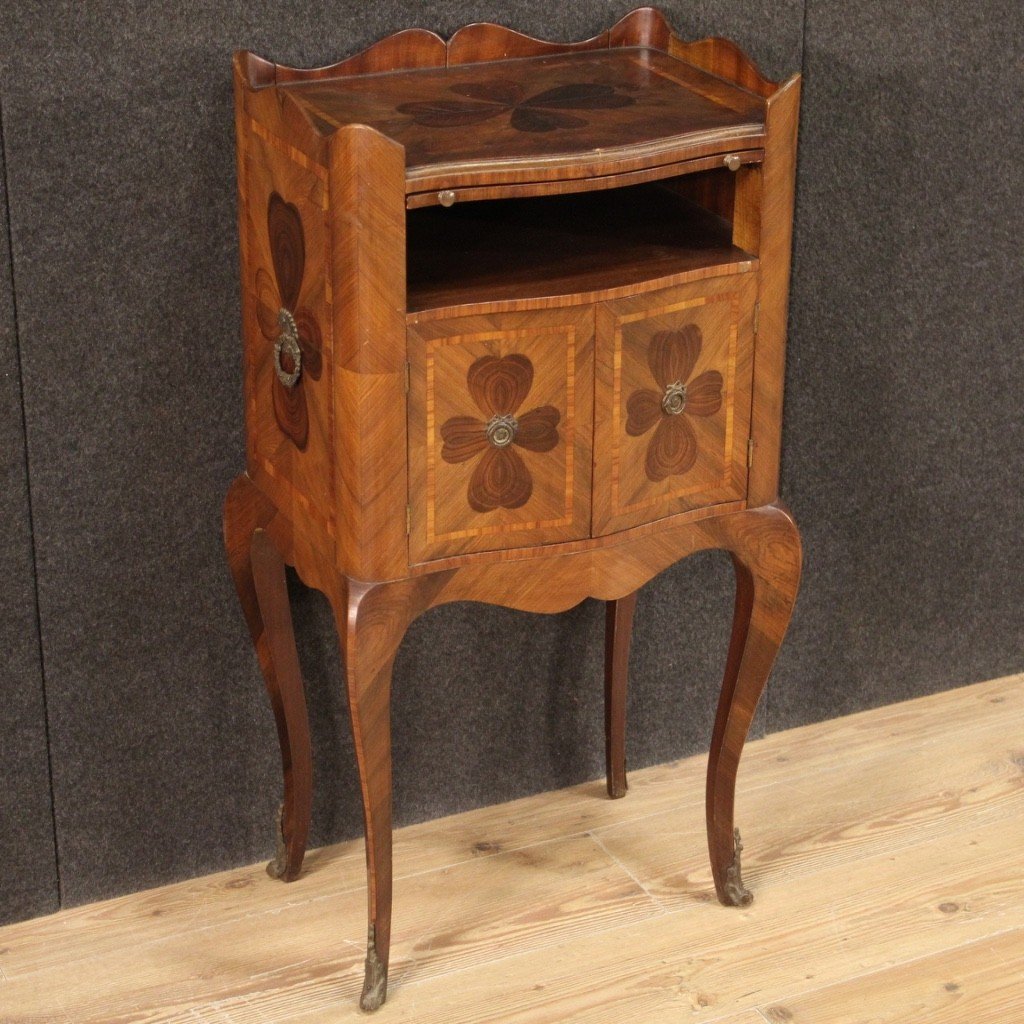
280 310
672 356
543 112
499 386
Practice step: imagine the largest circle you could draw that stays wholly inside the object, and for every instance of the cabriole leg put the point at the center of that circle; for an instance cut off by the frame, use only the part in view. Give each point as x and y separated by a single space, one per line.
258 573
289 701
617 634
765 549
371 623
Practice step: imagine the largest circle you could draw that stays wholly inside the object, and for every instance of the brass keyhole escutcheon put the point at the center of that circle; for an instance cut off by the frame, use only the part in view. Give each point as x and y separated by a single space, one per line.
501 430
288 344
674 400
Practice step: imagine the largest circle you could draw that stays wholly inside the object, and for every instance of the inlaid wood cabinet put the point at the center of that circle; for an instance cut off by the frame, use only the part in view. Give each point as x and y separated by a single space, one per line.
513 316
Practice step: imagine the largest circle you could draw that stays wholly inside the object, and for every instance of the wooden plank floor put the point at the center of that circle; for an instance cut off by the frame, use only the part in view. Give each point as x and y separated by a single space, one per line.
886 852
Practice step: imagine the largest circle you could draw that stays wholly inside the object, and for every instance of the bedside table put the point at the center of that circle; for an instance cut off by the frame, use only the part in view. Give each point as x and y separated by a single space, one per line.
514 322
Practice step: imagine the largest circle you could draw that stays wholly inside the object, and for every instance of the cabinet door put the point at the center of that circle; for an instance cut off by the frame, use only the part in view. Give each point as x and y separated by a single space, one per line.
500 429
672 401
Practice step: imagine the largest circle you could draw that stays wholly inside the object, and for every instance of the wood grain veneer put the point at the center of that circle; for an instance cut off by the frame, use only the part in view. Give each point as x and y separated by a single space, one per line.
577 114
513 321
540 370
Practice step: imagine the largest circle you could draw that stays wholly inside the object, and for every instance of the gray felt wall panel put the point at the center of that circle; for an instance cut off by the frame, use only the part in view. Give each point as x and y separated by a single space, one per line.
903 431
120 161
163 748
26 816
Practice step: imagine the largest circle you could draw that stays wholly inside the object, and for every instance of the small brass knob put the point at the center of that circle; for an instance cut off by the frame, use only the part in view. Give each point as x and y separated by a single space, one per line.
446 197
674 400
732 161
501 430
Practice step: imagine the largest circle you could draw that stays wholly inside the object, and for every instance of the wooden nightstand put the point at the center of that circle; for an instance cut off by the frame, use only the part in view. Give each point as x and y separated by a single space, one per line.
514 321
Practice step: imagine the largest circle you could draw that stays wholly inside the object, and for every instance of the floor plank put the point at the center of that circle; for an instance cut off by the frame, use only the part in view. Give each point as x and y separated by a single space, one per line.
900 799
874 840
981 982
783 758
447 920
801 933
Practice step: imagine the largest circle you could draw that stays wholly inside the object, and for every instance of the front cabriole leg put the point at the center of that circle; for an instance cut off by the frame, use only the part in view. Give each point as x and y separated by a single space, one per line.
765 548
371 621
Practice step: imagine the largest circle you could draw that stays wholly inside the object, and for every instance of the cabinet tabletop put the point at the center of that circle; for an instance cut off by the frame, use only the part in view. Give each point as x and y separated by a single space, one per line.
549 117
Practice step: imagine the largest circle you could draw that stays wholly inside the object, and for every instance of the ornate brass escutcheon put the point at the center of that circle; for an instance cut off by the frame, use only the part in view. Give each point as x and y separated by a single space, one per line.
674 400
288 343
501 430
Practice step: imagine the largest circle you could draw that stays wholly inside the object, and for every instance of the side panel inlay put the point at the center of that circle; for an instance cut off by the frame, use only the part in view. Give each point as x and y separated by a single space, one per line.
287 322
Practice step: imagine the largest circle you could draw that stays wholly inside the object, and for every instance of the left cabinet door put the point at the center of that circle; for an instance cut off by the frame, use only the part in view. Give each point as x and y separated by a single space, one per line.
500 424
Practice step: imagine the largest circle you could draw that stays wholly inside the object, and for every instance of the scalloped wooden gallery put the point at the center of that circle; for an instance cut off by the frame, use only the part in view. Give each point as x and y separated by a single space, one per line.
514 320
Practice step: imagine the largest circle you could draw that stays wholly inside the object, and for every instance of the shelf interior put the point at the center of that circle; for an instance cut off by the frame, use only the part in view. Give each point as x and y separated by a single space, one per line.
507 250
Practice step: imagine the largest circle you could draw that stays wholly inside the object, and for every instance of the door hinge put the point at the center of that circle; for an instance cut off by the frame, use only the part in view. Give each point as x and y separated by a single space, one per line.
408 519
750 452
757 317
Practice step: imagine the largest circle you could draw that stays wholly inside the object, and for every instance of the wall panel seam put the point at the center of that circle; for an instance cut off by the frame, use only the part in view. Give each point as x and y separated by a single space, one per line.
767 725
803 40
10 283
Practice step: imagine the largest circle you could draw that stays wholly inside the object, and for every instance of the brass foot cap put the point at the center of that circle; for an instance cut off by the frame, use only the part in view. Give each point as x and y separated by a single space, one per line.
734 892
278 867
375 983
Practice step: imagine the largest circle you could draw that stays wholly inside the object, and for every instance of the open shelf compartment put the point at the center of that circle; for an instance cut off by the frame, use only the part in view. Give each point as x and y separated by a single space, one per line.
587 245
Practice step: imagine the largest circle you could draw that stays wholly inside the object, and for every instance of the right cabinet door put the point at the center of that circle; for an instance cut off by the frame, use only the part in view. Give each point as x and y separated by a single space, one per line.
672 401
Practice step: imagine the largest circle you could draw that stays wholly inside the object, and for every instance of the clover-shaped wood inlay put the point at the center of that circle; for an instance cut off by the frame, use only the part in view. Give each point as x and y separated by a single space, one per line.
672 356
543 112
499 387
280 309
